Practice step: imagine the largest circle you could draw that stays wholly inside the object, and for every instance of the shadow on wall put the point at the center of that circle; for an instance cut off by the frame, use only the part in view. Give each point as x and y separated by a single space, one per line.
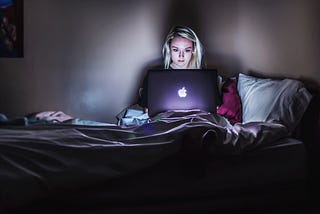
227 64
156 63
183 12
220 22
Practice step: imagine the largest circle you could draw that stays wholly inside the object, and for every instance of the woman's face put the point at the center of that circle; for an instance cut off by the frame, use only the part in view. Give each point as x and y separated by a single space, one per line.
180 52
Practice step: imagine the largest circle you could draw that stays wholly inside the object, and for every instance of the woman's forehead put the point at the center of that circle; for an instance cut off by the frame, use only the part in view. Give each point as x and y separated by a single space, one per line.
179 41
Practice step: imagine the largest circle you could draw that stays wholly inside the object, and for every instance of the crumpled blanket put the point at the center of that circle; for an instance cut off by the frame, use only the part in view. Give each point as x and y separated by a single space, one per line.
47 117
39 160
132 115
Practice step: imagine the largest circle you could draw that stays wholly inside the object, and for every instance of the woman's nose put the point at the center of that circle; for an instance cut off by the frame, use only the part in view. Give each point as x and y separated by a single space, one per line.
181 54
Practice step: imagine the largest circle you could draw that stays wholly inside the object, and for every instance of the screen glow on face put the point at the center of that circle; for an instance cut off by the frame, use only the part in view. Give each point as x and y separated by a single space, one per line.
181 52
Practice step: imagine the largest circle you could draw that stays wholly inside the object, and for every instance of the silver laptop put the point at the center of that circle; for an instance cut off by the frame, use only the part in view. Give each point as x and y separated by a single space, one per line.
182 89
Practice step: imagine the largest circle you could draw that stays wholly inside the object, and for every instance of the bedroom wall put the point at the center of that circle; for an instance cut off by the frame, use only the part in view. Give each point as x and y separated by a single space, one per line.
87 58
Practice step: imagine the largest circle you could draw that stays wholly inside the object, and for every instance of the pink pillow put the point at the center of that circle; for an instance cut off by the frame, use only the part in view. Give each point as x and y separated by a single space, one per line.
231 103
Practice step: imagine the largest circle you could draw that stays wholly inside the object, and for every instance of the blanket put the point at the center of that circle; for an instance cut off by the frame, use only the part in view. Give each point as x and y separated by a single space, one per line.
39 160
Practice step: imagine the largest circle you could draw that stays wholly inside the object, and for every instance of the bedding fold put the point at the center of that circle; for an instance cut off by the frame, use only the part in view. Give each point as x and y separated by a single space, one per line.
39 160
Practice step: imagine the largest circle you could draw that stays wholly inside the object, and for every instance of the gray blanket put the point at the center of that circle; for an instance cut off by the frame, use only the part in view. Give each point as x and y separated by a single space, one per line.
39 160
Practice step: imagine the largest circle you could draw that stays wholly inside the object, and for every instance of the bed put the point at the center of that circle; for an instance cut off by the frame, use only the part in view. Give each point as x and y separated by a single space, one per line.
189 161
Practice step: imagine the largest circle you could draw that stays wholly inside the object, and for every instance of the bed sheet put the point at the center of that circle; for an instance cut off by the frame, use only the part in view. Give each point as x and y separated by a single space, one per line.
39 160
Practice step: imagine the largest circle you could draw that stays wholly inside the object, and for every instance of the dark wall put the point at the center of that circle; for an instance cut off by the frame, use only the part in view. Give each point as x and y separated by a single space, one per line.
87 58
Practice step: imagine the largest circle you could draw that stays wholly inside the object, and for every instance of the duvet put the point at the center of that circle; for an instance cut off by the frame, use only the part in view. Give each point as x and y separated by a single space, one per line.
39 160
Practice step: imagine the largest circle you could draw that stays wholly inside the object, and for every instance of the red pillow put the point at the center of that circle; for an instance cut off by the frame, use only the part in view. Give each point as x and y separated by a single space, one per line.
231 103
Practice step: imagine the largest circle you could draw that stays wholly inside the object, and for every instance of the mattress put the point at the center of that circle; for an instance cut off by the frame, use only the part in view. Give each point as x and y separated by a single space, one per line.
275 175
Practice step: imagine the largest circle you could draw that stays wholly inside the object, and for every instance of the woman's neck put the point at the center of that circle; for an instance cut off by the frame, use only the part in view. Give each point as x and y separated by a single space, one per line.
173 66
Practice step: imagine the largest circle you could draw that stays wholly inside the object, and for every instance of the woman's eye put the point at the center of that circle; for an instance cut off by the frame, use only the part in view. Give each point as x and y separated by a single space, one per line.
175 50
188 50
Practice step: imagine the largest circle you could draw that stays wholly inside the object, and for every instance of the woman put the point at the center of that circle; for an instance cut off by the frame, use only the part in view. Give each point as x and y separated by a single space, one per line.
182 50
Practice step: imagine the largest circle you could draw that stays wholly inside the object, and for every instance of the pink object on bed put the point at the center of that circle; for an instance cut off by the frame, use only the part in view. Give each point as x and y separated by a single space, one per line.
231 102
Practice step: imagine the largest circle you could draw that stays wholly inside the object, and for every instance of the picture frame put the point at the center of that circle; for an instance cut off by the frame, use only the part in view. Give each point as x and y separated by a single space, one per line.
11 28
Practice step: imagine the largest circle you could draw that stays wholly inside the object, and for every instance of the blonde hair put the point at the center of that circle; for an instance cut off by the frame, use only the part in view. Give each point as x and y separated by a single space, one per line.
188 33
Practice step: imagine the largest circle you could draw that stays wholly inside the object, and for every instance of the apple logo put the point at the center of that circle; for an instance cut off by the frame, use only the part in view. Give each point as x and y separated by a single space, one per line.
182 92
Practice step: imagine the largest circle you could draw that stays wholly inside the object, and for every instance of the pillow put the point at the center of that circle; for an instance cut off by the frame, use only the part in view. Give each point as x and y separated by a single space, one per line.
269 100
231 103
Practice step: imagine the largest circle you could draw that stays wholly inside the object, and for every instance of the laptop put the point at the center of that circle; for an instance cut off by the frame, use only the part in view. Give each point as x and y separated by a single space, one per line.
182 89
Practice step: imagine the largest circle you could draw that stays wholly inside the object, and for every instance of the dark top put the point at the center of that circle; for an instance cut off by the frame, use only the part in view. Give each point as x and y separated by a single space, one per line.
143 98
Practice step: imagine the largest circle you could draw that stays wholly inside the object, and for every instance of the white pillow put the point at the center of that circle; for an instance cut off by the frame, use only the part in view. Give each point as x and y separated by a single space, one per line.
270 100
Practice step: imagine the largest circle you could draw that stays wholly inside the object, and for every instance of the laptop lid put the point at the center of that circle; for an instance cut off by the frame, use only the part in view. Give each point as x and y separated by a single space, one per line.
182 89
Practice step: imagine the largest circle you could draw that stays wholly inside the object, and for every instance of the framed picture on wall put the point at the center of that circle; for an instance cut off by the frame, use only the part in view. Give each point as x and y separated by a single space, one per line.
11 28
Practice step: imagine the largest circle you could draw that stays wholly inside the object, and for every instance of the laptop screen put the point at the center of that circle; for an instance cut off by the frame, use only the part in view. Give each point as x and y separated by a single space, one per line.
182 89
